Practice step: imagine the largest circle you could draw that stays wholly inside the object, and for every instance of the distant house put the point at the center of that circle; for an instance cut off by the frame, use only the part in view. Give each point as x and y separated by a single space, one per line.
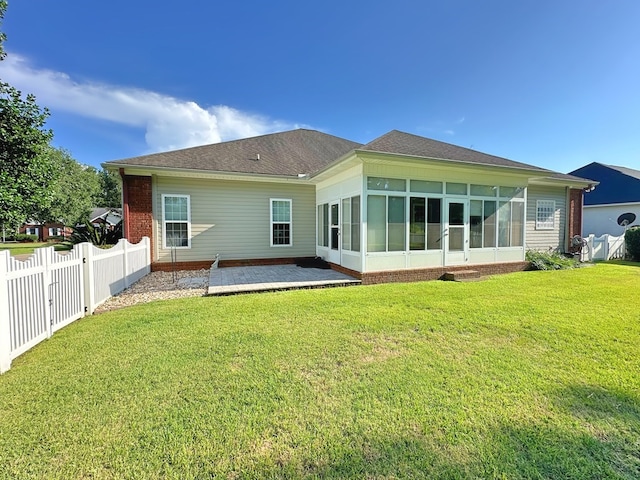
105 216
402 207
618 192
44 231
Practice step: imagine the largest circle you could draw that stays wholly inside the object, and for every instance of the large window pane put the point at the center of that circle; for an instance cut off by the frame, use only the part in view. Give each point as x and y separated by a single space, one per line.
355 223
397 230
484 190
456 188
320 223
517 224
325 225
504 224
489 224
346 224
434 224
389 184
475 224
376 223
417 223
422 186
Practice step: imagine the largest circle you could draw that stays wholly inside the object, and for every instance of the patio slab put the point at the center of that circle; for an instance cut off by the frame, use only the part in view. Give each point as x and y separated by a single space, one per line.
232 280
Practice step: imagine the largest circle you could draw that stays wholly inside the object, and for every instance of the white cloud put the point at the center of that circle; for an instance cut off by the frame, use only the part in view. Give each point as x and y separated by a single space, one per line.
169 123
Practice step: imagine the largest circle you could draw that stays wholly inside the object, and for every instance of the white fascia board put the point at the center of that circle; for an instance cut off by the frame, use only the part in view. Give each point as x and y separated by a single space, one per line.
559 182
388 158
626 204
409 160
143 170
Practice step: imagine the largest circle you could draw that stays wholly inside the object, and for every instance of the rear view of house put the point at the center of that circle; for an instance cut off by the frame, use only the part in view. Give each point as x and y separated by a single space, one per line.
401 207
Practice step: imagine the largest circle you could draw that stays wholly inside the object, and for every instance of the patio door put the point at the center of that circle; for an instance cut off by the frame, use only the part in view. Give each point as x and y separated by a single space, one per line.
334 233
456 238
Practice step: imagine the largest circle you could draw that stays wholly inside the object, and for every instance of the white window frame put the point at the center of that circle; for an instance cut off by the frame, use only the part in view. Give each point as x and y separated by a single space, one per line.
542 208
272 223
165 221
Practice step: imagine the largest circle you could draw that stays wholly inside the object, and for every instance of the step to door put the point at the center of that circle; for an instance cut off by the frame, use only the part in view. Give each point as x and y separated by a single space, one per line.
461 275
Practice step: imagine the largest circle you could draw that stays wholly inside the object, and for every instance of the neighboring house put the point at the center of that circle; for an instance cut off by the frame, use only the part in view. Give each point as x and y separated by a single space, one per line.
618 192
105 215
44 231
401 207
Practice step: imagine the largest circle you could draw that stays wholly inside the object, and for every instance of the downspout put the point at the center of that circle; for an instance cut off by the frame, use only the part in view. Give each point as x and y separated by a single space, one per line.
125 204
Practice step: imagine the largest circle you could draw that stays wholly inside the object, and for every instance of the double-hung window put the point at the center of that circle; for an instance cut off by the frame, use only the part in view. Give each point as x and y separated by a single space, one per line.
281 222
545 214
176 221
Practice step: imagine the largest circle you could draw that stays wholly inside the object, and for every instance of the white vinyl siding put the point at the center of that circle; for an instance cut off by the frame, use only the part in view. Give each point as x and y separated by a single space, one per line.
232 219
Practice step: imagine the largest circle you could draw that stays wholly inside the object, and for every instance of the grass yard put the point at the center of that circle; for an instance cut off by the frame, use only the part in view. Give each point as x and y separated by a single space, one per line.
528 375
29 247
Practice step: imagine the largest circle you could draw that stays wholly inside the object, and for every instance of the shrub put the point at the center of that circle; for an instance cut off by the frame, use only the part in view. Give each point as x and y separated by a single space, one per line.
98 235
550 260
632 243
23 237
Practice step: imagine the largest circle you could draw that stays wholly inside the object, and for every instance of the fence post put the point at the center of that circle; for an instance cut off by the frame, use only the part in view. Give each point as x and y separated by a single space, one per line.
606 246
5 326
125 261
590 247
89 292
43 256
147 250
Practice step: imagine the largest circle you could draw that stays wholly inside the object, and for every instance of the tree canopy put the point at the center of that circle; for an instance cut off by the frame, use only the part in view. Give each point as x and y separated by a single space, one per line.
25 169
73 193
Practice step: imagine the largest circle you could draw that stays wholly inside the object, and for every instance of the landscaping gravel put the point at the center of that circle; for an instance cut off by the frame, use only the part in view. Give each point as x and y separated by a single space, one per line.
160 286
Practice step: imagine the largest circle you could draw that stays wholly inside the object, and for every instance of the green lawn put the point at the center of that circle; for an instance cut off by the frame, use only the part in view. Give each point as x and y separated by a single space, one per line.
29 247
528 375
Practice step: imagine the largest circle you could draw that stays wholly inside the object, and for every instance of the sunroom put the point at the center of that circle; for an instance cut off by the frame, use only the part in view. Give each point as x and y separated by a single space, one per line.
384 216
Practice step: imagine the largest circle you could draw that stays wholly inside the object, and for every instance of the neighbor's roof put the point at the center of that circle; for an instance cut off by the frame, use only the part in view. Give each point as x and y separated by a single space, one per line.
287 153
626 171
407 144
617 184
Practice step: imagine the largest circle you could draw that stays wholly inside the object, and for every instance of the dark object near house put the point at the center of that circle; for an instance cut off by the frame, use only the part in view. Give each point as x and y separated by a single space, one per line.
316 262
626 219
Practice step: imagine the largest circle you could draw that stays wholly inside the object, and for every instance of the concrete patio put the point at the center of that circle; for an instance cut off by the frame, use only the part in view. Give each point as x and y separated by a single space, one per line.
232 280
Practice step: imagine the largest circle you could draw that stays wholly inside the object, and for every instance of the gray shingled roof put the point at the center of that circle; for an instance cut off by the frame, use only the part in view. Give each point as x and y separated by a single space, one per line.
287 153
309 151
408 144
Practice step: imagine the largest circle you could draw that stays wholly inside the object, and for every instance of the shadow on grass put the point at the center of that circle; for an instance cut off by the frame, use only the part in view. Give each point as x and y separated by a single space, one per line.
600 439
626 263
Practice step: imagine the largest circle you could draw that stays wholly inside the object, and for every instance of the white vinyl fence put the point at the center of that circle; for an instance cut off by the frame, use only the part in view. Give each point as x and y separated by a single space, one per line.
605 247
50 290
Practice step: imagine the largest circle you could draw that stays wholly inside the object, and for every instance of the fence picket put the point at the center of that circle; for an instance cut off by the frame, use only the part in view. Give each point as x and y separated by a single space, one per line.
48 291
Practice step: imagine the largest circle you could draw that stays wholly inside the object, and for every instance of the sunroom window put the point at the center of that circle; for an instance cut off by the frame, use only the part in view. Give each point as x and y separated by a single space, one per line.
385 223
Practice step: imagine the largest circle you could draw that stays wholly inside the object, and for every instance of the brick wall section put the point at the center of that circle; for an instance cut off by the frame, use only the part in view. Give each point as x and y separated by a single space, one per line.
197 265
138 209
574 214
170 267
422 274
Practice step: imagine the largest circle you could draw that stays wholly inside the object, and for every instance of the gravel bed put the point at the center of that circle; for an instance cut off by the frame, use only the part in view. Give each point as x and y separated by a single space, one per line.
160 286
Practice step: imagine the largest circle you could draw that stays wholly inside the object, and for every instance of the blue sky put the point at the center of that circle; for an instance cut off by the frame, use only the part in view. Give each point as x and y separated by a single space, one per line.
551 83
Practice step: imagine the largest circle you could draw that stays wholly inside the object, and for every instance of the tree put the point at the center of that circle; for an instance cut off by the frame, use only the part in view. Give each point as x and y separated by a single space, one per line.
3 36
73 192
25 171
110 190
